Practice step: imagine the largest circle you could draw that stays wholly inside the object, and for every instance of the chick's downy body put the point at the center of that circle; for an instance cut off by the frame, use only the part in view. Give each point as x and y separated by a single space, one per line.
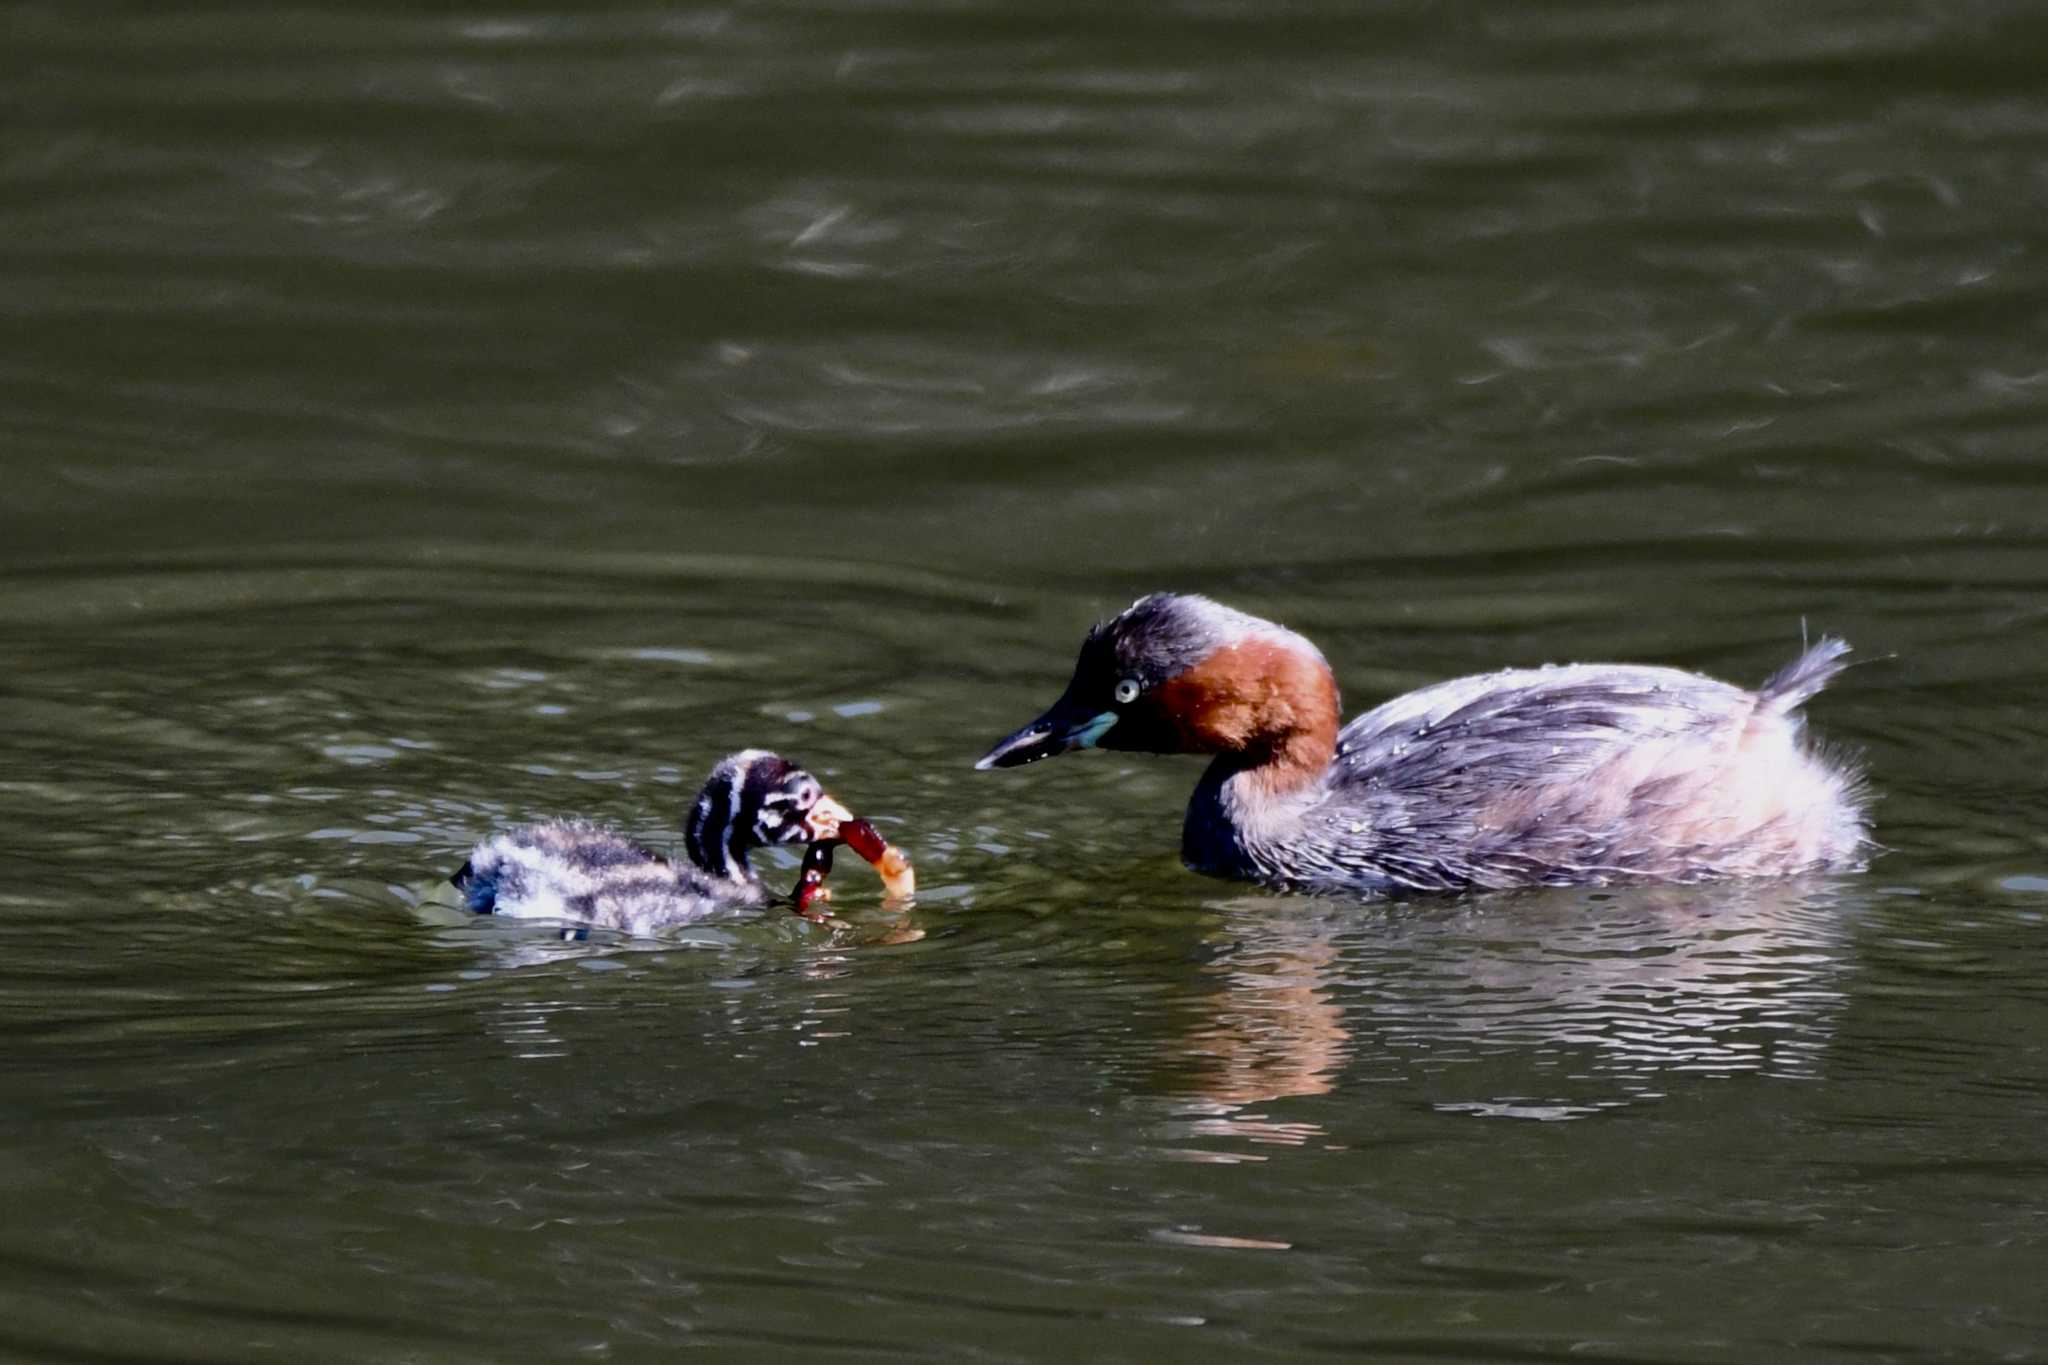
581 873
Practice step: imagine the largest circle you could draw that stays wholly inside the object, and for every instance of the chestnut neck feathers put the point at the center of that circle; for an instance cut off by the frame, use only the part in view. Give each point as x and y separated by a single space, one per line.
1265 703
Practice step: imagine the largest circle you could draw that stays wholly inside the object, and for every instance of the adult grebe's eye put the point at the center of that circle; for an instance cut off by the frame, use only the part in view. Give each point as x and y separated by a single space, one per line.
1127 691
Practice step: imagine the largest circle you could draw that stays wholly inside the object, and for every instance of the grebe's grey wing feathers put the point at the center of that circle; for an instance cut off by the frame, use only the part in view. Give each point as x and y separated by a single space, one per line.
1594 773
1499 728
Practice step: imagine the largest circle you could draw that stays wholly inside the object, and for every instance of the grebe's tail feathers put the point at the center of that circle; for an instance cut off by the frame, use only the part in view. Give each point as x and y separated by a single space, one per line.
1795 684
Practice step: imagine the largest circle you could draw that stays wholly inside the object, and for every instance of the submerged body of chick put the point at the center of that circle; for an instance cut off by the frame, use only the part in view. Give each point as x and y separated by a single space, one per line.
1530 777
580 873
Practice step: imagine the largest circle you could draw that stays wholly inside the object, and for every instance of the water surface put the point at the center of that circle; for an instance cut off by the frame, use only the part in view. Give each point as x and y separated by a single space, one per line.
419 420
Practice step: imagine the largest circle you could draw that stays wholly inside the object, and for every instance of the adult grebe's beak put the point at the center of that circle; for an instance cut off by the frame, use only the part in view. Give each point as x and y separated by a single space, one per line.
1066 726
825 817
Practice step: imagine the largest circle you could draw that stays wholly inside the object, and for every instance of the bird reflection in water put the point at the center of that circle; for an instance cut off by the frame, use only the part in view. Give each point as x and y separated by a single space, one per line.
1272 1030
1580 1001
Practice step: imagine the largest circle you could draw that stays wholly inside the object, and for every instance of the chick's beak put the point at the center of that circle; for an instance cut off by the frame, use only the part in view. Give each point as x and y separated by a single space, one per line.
824 818
1065 727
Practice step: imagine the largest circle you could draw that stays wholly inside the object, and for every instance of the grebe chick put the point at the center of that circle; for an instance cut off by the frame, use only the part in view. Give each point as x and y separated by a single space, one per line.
576 872
1584 774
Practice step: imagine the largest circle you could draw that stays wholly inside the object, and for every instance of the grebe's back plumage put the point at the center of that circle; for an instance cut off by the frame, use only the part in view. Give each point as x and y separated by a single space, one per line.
577 872
1525 777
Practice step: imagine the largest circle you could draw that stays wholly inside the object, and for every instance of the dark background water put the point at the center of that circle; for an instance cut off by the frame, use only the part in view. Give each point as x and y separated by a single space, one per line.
417 418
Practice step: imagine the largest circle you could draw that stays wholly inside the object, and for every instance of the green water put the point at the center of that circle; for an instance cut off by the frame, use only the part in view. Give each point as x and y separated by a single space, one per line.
416 420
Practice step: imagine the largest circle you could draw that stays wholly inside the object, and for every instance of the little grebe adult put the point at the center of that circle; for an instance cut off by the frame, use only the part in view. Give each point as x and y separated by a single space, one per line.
1587 773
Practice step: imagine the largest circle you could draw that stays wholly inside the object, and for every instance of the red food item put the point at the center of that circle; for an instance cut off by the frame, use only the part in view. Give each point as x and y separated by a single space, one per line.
863 839
810 885
898 879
